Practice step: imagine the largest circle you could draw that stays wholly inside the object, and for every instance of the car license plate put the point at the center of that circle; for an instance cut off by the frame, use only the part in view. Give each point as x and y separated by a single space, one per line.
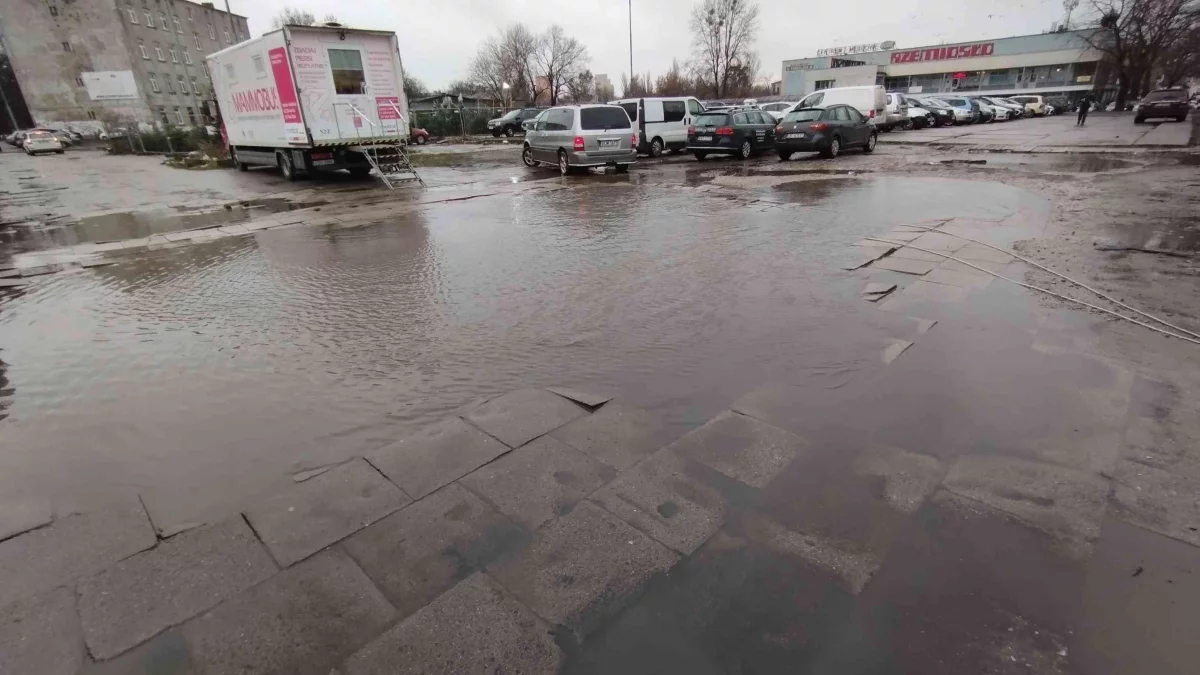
322 162
704 139
610 143
795 136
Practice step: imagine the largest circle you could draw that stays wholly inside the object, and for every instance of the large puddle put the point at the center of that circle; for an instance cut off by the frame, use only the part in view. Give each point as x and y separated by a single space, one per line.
207 375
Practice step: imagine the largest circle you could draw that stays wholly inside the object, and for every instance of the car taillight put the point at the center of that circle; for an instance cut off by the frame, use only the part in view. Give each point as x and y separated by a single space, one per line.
691 130
579 142
779 130
871 114
724 131
819 126
633 141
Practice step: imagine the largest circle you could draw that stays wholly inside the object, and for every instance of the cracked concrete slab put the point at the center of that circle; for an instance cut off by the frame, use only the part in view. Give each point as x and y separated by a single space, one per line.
141 596
590 399
301 621
921 294
854 568
936 241
617 434
908 478
1065 503
1159 501
741 447
521 416
905 265
538 481
473 628
972 279
896 348
977 253
427 460
72 547
40 635
427 547
583 567
22 514
320 511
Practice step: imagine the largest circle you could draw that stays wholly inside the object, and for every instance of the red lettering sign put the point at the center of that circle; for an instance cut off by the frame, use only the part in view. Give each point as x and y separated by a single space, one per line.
284 85
943 53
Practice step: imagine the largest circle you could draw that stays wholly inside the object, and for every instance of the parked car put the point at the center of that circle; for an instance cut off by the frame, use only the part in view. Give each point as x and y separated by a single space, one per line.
778 109
662 122
918 117
576 137
827 131
418 135
1061 104
510 123
37 142
71 136
996 112
1163 103
896 113
741 133
943 114
1011 110
964 112
1034 105
63 138
869 100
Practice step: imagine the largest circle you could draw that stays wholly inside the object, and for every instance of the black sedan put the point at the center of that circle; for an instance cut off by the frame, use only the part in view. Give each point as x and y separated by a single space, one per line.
943 115
824 130
1163 103
740 133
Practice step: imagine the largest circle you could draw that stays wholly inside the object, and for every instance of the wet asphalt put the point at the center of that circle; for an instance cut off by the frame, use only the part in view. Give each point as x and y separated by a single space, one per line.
203 377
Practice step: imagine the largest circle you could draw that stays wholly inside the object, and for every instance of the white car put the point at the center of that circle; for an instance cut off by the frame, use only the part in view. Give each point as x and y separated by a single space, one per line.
777 109
918 117
42 141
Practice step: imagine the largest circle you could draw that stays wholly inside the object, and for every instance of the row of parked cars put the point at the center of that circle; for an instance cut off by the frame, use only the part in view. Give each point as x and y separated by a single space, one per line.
38 141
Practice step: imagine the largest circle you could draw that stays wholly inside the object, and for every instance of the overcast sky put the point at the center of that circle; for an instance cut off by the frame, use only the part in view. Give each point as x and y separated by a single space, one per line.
438 38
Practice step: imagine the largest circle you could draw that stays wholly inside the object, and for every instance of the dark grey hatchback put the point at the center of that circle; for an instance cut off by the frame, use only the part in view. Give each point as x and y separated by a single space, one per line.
824 130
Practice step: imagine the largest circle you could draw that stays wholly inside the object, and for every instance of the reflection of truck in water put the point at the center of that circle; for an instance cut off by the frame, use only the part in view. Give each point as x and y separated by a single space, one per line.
315 98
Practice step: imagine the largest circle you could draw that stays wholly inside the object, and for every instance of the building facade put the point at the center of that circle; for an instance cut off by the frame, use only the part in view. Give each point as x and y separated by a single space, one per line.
84 64
1058 63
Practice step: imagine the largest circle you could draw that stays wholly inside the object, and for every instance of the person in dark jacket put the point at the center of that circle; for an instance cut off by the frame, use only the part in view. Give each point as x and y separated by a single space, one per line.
1085 104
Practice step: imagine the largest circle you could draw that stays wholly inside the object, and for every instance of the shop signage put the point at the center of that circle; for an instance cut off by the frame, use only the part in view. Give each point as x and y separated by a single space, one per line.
943 53
857 49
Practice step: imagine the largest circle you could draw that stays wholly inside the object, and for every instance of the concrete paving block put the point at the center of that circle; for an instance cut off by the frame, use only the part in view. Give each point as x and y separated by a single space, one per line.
908 477
741 447
141 596
473 628
40 635
427 460
538 481
922 293
936 241
521 416
427 547
1159 501
233 230
22 514
956 266
302 621
264 224
12 283
972 279
1065 503
618 435
896 348
72 547
855 568
975 252
320 511
590 399
904 234
863 255
583 568
905 265
661 498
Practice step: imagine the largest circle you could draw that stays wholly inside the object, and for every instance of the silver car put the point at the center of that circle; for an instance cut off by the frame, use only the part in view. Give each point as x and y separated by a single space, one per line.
574 137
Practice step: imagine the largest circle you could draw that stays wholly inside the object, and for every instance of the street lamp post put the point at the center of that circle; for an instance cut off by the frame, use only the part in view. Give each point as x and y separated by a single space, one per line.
504 95
630 41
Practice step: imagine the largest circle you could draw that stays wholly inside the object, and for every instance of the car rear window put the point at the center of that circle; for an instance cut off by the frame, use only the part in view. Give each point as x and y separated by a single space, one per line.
955 101
603 117
1163 96
631 110
806 115
712 119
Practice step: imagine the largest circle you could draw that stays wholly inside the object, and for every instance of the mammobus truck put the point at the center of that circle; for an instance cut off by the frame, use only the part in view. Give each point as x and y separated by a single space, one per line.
315 98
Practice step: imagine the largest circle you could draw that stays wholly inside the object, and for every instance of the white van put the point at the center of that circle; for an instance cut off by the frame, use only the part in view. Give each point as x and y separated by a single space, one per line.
871 101
662 123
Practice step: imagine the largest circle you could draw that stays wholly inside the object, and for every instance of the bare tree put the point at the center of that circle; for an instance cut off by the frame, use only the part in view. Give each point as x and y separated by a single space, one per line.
293 16
329 18
674 82
1137 38
582 87
1181 59
506 59
723 32
558 60
640 85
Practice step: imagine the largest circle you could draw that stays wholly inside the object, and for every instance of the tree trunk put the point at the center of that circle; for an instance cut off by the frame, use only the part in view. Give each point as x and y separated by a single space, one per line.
1122 89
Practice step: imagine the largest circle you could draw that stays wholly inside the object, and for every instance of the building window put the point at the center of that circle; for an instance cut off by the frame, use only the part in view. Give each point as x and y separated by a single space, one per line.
162 113
67 47
170 85
159 53
79 81
189 13
182 85
149 19
240 36
226 33
178 26
212 33
823 84
162 20
179 116
196 39
174 55
142 49
132 14
195 87
154 83
53 10
187 57
192 115
348 77
204 64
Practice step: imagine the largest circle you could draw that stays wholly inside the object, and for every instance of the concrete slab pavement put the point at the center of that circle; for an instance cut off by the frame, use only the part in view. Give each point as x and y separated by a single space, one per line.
1109 130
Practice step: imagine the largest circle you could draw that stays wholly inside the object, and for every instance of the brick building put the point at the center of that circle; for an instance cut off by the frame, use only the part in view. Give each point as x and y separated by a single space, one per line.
85 63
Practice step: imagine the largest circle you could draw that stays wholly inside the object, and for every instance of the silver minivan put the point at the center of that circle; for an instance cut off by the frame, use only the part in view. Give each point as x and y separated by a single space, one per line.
574 137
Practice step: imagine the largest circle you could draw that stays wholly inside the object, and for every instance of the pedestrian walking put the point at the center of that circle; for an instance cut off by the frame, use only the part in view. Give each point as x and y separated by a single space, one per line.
1085 104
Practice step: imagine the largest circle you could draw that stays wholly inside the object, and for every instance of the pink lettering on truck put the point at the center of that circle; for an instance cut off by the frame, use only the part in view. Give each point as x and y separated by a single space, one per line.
284 85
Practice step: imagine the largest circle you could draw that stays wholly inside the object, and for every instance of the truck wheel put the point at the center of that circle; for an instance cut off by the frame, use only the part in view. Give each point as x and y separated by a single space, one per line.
422 140
286 166
360 171
241 166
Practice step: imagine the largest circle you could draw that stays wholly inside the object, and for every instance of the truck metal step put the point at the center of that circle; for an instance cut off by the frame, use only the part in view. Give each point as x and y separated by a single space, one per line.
391 162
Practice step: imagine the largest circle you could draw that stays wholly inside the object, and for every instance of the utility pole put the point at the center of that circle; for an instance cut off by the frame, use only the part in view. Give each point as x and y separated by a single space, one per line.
630 42
232 28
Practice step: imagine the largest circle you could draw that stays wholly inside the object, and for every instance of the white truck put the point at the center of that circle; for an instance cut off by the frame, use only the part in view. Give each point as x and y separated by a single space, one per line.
314 98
